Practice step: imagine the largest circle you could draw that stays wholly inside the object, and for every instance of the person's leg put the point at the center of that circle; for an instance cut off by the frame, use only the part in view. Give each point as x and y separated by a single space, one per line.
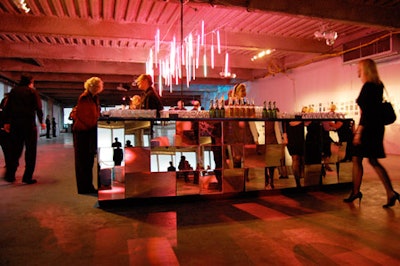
271 176
30 153
326 160
383 175
266 176
16 147
84 159
296 165
5 145
282 170
217 152
357 174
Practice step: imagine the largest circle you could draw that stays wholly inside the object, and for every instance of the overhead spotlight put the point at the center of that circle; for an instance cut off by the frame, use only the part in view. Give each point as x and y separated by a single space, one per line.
262 54
21 4
227 75
329 36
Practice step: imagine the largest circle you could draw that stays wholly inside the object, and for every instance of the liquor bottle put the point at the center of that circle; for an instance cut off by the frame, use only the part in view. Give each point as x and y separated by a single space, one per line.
252 109
242 110
247 107
217 109
236 108
269 110
265 111
230 107
212 110
274 110
222 108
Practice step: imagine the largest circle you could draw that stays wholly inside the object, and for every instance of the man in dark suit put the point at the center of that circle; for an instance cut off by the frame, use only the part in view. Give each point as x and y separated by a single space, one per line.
23 105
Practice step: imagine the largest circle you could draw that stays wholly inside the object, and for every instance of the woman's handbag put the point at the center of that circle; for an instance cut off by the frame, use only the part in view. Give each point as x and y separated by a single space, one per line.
388 113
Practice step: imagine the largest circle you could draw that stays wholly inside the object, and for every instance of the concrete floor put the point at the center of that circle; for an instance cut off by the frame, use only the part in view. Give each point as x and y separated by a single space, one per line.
48 223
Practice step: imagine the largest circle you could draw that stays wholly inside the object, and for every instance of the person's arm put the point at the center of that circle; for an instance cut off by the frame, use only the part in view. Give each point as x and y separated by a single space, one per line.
357 135
39 110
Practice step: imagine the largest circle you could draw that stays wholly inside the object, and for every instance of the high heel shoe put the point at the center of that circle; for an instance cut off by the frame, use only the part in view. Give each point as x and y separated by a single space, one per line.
353 197
392 200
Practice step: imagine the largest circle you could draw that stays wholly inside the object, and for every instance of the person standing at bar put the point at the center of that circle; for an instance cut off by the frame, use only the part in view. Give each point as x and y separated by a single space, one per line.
368 136
85 134
150 98
20 112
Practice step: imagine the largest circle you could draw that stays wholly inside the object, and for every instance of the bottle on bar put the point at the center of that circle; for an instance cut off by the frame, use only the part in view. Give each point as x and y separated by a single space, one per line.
274 110
247 107
212 110
265 111
253 109
269 110
222 108
230 107
236 108
242 110
216 108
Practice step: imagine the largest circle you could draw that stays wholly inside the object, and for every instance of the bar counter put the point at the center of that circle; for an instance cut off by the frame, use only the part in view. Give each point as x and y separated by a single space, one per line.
224 156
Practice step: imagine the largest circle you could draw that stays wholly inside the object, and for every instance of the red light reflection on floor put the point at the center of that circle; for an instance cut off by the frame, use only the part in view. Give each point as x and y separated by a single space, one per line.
116 192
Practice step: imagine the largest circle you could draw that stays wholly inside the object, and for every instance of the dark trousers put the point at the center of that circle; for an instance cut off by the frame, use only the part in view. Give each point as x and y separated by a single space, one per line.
5 145
85 143
21 136
47 132
217 151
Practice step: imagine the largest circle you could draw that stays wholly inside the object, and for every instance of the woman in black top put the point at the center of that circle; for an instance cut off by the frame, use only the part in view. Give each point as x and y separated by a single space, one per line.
368 137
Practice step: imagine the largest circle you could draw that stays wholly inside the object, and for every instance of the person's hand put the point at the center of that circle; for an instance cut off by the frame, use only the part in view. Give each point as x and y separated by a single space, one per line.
43 126
357 139
284 139
7 128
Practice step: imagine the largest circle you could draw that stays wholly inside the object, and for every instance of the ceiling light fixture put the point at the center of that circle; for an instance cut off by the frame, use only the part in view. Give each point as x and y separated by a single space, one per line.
21 4
227 75
262 54
329 36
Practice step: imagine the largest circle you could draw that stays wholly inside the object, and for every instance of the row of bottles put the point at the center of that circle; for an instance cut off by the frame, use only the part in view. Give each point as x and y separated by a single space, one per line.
240 108
271 111
217 108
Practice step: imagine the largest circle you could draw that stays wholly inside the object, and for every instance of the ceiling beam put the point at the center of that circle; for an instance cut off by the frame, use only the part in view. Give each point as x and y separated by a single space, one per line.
355 12
143 34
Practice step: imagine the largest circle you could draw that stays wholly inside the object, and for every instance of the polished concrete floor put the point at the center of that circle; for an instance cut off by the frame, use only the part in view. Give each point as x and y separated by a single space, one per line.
48 223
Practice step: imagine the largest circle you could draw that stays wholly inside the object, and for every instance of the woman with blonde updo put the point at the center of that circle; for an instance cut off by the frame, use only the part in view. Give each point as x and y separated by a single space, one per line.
85 134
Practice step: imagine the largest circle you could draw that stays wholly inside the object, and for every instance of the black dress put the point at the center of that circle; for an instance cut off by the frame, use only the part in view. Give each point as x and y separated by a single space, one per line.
295 135
369 101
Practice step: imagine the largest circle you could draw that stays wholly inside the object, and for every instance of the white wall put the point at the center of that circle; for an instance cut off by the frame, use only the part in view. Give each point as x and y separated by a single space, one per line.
321 83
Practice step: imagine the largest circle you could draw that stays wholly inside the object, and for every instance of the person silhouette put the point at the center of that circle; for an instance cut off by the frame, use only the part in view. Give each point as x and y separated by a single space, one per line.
118 154
128 144
171 167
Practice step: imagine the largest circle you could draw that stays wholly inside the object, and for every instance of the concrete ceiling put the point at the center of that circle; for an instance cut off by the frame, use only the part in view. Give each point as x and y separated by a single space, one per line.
64 42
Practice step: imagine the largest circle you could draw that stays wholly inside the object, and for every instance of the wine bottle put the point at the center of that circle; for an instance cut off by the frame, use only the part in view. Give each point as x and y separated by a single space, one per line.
222 108
265 111
212 110
274 110
269 110
217 109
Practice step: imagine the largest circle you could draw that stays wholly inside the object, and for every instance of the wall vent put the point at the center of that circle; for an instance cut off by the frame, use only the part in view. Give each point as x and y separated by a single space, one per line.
382 48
